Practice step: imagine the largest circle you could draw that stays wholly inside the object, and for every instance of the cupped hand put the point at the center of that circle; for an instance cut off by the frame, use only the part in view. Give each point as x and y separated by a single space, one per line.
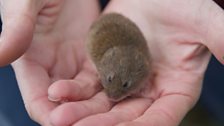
179 34
19 21
55 52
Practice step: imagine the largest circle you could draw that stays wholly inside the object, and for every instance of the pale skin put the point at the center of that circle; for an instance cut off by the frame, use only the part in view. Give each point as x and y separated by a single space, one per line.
176 31
57 30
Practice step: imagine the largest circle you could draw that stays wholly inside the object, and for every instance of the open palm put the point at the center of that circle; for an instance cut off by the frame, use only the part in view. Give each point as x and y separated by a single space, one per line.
56 67
176 32
57 53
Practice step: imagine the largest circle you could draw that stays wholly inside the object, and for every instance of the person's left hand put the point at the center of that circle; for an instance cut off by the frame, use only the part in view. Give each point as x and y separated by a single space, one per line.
176 32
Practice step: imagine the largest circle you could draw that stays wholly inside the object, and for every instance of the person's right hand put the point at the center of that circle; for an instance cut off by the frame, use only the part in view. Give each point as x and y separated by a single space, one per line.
20 20
51 33
18 26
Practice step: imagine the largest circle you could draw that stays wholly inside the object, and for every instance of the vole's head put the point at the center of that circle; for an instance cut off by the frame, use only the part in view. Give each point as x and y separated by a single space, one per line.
122 71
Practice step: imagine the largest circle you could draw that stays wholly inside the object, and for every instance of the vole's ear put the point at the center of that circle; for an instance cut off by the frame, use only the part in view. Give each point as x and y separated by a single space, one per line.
139 59
111 52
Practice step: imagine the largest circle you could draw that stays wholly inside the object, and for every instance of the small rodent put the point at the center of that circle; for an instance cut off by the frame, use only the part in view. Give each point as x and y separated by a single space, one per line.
120 53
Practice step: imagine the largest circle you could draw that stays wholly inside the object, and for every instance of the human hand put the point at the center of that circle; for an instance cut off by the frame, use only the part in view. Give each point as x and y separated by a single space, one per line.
177 33
55 53
19 22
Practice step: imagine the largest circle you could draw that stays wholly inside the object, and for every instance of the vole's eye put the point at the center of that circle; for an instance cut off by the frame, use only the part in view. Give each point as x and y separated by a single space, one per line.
110 78
126 85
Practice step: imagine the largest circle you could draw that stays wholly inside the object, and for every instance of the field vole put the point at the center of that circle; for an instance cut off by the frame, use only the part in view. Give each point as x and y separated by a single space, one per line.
120 53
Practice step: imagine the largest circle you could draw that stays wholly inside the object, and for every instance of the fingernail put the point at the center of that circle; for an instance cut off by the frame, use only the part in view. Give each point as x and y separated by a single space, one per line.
54 99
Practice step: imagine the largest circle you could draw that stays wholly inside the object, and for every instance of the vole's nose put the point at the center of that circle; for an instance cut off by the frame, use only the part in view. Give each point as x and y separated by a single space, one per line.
114 96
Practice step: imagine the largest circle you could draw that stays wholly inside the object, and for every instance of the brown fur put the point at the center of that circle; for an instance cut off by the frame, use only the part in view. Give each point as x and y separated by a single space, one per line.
120 53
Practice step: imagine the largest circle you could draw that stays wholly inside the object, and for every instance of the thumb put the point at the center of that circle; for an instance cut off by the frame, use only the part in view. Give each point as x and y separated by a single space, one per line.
18 26
213 30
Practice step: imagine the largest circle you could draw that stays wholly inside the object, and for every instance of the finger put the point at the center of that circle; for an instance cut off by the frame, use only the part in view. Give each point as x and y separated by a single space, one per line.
33 82
68 113
122 112
84 86
17 30
167 111
212 28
